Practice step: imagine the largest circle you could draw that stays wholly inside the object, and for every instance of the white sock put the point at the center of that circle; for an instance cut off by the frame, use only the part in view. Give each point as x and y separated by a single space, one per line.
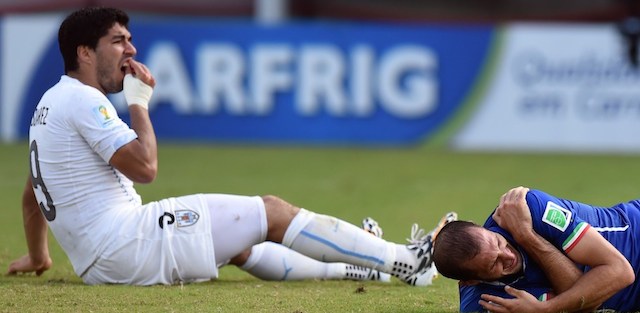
329 239
272 261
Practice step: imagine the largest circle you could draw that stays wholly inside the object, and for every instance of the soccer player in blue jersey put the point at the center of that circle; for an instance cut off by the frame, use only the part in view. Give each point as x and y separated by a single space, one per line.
540 253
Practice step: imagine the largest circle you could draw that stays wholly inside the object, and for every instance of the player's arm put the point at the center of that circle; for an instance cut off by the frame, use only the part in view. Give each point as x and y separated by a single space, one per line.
610 271
560 270
138 159
35 227
513 214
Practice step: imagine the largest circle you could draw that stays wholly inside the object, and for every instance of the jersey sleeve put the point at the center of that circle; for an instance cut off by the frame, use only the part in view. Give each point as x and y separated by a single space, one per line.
556 220
97 121
469 297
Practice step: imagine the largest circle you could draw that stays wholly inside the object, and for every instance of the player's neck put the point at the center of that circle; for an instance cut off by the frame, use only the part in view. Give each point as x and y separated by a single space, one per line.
86 78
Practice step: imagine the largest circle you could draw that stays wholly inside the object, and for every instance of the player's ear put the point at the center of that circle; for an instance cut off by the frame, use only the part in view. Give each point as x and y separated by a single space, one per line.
84 54
468 282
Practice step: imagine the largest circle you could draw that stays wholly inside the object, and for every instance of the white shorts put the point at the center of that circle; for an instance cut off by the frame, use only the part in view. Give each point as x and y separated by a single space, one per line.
181 239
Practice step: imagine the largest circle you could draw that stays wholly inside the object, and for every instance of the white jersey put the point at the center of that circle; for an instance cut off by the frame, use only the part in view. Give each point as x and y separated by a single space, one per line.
73 134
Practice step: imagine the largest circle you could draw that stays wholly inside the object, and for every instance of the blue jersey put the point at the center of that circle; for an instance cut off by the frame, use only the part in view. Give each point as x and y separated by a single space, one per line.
563 223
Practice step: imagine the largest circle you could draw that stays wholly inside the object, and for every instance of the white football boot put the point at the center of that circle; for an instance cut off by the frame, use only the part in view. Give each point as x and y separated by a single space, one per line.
422 245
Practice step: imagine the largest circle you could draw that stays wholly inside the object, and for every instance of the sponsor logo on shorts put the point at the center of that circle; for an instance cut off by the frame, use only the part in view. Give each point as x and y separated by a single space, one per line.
186 218
556 216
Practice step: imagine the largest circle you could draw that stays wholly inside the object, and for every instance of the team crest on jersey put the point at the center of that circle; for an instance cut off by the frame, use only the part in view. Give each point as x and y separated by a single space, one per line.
103 115
556 216
186 218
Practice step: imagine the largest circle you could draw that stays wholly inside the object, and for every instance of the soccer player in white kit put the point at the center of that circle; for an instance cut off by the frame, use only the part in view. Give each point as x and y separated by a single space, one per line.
84 161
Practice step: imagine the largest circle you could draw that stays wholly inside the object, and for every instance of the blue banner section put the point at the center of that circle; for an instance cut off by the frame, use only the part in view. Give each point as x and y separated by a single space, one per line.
315 82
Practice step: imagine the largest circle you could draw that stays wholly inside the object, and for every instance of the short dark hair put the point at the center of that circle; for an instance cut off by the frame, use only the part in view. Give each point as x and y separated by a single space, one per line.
454 246
85 27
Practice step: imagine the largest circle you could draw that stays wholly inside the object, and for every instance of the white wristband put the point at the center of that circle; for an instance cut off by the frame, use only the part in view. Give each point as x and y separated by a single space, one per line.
136 91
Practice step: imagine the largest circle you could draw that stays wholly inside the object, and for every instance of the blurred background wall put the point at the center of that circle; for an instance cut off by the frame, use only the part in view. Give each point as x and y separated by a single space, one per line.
400 10
471 75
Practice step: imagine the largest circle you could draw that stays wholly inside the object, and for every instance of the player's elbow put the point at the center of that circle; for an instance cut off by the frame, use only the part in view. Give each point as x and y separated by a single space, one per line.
147 174
627 275
622 274
143 173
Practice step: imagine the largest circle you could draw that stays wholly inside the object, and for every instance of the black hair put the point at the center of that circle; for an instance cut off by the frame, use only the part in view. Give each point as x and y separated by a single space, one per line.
85 27
454 246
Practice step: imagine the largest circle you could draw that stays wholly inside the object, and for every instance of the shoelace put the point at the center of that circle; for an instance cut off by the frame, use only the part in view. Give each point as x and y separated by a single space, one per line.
418 235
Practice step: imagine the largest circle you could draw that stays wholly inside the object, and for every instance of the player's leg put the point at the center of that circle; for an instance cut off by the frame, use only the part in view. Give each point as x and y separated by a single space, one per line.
329 239
272 261
237 224
239 227
240 224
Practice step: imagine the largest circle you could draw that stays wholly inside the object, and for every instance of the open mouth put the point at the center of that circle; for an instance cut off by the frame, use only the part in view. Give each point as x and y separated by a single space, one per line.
510 267
123 68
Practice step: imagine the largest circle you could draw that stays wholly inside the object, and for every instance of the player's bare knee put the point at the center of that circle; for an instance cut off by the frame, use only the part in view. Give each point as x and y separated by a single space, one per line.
279 215
274 204
271 201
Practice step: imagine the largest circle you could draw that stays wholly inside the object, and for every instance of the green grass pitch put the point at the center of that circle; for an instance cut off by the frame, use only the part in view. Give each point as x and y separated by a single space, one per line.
396 186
